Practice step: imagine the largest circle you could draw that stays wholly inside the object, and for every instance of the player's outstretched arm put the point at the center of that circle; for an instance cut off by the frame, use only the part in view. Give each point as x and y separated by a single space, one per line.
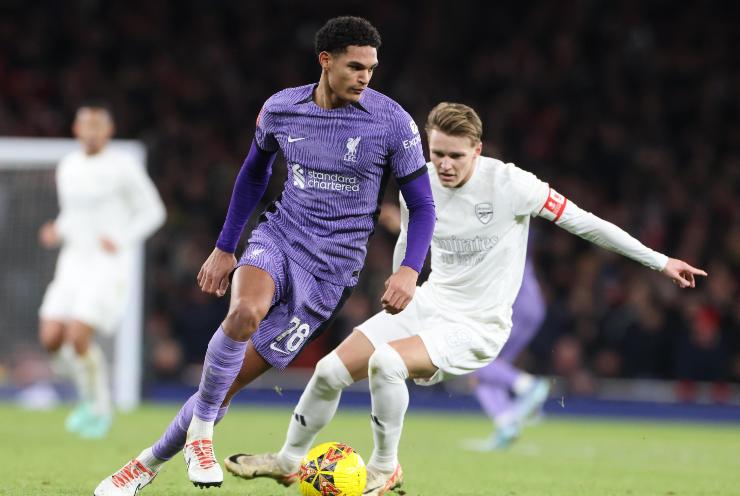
588 226
682 273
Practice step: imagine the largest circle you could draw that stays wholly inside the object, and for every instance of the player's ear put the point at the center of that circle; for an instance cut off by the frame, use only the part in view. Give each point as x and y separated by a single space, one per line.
478 148
324 60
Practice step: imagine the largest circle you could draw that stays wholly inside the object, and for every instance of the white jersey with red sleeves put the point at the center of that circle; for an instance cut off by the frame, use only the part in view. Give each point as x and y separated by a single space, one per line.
480 239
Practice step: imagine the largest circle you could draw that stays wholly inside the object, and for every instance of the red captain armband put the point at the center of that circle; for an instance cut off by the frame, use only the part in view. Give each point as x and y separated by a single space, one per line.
554 206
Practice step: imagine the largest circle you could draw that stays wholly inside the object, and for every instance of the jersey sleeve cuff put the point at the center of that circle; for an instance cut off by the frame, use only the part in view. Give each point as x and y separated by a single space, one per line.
418 172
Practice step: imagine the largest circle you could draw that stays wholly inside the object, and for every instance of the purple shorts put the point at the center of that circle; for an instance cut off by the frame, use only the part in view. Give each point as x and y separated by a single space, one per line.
303 306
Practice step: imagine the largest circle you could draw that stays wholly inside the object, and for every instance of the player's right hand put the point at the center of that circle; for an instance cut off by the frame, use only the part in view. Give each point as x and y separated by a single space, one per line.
49 235
213 277
682 273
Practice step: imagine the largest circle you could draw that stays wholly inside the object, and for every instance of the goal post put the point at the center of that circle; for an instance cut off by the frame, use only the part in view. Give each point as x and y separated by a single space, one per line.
27 199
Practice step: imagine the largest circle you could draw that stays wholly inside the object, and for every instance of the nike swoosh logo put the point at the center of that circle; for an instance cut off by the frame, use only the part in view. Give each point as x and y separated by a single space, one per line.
136 491
273 347
257 251
293 140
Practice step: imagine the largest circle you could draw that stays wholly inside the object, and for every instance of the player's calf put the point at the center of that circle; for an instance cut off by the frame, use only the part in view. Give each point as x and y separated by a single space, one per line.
262 465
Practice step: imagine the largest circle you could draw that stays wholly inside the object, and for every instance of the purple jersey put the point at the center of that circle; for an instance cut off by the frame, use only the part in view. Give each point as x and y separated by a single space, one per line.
339 161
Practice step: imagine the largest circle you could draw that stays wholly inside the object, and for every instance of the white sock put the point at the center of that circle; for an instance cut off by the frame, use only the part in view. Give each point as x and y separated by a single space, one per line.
62 361
199 429
81 376
390 399
523 383
315 409
97 369
149 460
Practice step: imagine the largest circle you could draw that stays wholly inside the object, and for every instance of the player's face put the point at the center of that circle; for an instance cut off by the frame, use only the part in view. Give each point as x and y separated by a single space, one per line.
349 73
93 128
454 157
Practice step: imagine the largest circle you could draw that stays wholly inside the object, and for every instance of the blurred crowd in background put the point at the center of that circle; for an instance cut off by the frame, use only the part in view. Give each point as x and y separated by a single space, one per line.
631 109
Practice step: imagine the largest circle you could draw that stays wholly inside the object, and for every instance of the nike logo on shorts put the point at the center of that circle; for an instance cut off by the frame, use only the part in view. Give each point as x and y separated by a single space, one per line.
275 348
293 140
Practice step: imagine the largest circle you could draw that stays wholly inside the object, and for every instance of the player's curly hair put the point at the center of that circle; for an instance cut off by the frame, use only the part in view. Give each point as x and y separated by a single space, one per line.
340 32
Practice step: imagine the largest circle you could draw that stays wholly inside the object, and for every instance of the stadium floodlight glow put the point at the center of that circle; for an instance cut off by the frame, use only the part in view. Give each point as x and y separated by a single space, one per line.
27 199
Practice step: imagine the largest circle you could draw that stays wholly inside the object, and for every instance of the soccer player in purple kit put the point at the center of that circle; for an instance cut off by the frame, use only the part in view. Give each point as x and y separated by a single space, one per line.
341 142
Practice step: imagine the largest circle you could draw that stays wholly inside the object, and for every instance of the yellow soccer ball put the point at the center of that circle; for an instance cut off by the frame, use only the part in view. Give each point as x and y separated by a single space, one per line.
332 468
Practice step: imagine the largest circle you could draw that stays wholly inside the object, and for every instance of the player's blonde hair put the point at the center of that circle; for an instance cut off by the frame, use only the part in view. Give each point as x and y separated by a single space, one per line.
455 119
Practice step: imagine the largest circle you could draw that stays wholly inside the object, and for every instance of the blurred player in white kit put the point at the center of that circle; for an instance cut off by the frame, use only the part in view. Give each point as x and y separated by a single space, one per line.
108 206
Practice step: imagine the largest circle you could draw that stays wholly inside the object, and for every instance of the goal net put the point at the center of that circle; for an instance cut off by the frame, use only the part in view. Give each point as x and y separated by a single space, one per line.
28 199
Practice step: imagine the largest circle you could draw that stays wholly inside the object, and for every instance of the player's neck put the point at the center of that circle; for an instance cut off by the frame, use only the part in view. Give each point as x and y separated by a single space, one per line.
325 98
91 152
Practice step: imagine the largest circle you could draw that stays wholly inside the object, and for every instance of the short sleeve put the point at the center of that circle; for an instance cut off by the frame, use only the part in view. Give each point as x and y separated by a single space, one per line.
264 134
529 192
405 155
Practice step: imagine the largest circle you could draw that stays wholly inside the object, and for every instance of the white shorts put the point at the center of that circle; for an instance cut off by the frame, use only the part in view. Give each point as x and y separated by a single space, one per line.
90 287
456 343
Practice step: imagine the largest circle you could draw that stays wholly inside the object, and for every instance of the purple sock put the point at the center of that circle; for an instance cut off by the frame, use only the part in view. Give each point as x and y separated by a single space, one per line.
224 359
499 373
173 439
494 382
495 400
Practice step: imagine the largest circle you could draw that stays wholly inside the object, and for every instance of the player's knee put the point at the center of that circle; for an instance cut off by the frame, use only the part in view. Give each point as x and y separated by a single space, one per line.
80 342
387 365
243 319
51 338
331 374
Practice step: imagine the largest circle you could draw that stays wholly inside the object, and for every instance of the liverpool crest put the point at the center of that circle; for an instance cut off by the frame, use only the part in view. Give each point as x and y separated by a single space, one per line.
352 143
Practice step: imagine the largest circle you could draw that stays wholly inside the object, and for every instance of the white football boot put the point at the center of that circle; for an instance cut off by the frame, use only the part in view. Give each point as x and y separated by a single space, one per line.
263 465
380 483
203 469
129 479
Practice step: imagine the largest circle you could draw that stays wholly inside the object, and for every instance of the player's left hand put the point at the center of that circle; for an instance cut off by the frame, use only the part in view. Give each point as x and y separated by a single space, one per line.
399 289
682 273
108 245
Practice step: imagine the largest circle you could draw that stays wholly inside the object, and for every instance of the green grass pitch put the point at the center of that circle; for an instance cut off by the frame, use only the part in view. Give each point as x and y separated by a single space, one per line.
557 457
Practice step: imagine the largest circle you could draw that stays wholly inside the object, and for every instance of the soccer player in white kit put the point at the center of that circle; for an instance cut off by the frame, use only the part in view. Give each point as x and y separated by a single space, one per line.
108 206
458 320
